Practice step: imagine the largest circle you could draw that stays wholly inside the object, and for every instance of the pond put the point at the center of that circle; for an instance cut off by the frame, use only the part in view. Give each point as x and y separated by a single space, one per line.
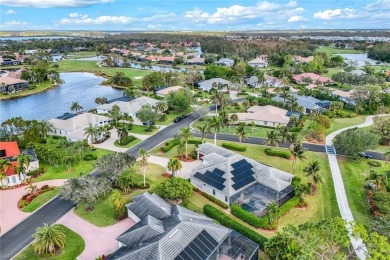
77 87
360 58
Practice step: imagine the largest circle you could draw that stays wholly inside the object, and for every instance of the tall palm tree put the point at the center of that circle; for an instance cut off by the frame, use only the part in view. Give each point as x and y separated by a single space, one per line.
203 130
233 118
298 153
48 238
272 139
292 138
284 93
240 132
115 114
379 179
283 132
273 212
312 170
44 128
216 99
143 155
301 190
4 165
90 132
185 135
117 200
181 149
285 81
123 133
76 107
216 124
23 160
161 107
174 165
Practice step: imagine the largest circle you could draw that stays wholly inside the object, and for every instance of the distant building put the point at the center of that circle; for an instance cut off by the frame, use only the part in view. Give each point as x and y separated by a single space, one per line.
270 81
8 62
265 115
207 85
314 78
310 104
163 92
29 52
225 62
195 61
259 62
344 96
300 59
10 85
128 107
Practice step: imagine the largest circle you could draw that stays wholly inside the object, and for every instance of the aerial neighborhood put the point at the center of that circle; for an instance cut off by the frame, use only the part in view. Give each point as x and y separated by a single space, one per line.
227 145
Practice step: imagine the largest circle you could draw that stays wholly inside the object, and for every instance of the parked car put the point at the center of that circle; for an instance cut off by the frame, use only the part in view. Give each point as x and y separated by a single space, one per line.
177 119
151 123
183 116
365 155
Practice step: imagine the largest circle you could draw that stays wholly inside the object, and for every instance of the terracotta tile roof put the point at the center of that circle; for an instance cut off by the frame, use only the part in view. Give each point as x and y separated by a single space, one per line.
11 81
313 76
11 149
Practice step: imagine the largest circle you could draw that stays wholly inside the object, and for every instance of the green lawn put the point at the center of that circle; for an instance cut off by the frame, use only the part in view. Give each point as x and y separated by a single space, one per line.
354 174
74 246
90 66
331 51
131 144
332 71
339 123
39 88
172 115
141 129
103 214
81 54
41 199
61 172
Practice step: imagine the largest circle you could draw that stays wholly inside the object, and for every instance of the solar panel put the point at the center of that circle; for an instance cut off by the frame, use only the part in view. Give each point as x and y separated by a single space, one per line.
200 248
243 175
210 181
239 163
218 172
243 182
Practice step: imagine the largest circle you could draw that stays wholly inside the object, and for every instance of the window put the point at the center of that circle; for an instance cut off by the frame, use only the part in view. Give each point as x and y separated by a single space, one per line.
226 199
265 122
13 179
213 192
273 123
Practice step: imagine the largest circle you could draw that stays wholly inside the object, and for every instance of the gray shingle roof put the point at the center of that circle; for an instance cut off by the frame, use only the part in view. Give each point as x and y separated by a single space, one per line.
149 204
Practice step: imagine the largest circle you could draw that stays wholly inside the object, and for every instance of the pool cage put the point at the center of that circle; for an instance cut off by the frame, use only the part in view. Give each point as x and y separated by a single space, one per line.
236 247
255 198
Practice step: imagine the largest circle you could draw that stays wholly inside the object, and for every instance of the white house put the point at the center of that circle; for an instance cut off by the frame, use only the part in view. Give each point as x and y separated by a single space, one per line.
10 150
265 115
163 92
270 81
29 52
131 107
225 62
259 62
207 85
73 125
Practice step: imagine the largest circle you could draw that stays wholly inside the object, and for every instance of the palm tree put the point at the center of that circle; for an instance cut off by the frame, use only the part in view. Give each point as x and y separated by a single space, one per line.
203 130
185 135
23 162
273 212
174 165
117 200
285 81
283 132
31 189
312 170
284 94
123 133
246 104
292 138
272 139
161 107
216 124
379 179
216 99
181 149
143 155
298 153
301 190
76 107
240 132
48 238
233 118
90 131
44 128
294 120
115 113
4 165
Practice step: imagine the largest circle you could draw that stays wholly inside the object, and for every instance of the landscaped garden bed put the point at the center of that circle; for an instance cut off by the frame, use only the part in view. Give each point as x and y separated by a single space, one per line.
36 197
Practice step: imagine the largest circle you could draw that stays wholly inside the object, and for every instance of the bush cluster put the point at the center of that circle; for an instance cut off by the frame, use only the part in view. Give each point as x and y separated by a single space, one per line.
374 163
295 129
127 140
35 173
226 221
169 145
90 157
234 147
339 114
278 153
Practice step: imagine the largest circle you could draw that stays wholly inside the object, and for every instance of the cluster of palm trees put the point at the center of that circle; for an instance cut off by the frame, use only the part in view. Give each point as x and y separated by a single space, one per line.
376 181
184 135
97 133
23 162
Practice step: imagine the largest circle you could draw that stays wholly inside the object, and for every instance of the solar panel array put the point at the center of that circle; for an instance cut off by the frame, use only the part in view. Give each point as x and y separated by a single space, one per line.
200 248
66 116
243 174
213 178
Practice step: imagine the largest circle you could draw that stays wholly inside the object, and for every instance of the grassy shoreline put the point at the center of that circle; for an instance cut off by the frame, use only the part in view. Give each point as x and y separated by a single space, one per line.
45 86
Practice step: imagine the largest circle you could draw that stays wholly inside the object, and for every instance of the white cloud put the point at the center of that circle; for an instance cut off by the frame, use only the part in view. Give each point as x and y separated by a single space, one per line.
14 23
76 18
378 5
52 3
346 13
10 11
296 18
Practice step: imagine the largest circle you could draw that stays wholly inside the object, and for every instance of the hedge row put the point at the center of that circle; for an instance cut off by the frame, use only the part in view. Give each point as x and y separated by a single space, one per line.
90 157
263 222
226 221
169 145
234 147
295 129
35 173
127 140
215 200
278 153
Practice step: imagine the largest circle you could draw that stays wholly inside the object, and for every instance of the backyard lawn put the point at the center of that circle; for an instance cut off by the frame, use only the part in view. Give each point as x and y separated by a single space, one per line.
339 123
103 213
74 246
41 199
141 129
61 172
354 174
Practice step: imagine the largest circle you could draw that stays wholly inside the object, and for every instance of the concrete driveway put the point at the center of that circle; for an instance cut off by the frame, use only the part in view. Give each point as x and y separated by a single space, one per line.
185 170
98 240
10 214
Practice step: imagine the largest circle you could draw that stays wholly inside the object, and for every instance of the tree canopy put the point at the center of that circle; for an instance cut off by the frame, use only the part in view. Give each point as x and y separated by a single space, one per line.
175 188
353 141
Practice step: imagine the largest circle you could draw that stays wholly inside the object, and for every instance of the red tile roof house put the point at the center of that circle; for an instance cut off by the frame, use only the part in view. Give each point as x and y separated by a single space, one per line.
299 79
8 151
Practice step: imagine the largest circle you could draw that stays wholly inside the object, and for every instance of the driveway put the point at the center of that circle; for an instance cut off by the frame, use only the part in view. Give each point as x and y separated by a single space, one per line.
185 170
10 214
98 240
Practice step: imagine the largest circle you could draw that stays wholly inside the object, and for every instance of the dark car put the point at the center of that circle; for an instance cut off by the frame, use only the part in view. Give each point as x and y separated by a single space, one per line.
365 155
151 123
183 116
177 119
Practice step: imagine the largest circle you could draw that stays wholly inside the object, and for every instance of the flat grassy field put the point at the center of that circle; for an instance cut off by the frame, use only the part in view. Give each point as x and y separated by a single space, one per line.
74 246
332 51
131 144
81 54
103 213
90 66
354 174
339 123
141 129
61 172
41 199
39 88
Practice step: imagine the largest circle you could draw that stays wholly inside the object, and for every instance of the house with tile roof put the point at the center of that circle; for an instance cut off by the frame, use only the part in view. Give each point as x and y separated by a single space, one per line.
165 232
195 61
130 107
225 62
259 62
207 85
164 91
314 78
265 115
11 85
73 126
9 151
309 103
235 179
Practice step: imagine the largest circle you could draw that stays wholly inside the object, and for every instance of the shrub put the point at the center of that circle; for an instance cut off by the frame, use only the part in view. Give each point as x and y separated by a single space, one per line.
234 147
45 187
381 201
278 153
37 172
226 221
374 163
169 145
141 186
248 217
31 87
127 140
89 157
295 129
194 141
163 118
215 200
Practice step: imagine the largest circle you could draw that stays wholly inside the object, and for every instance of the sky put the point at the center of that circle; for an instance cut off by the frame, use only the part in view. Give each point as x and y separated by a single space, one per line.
189 15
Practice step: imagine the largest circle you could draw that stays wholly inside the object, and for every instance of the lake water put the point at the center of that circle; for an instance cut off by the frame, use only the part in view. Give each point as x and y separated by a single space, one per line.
360 58
77 87
25 38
